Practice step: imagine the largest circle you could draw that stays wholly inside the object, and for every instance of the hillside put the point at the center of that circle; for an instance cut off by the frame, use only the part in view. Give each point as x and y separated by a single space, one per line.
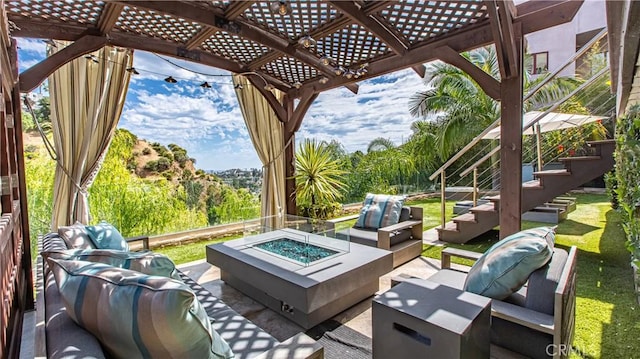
143 187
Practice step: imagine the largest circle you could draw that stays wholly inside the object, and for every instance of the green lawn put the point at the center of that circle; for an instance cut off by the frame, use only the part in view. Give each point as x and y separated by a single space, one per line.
607 318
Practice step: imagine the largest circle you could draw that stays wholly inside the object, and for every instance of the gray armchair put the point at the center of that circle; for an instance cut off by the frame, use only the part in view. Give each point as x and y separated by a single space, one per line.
538 320
404 238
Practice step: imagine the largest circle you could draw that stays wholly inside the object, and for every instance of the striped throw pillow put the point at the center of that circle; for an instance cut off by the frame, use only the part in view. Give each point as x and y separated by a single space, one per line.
76 236
143 262
380 210
134 315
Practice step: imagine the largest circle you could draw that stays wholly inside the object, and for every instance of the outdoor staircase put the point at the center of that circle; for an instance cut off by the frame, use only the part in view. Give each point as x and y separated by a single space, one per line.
547 185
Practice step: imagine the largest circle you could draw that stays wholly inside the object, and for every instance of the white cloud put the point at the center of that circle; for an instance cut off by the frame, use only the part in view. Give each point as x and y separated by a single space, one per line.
33 47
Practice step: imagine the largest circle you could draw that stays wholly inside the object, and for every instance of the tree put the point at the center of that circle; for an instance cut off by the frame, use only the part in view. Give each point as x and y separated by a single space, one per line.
318 178
462 109
380 144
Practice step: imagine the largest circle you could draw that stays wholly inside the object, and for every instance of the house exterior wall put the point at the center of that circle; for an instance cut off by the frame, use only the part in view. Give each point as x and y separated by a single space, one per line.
560 41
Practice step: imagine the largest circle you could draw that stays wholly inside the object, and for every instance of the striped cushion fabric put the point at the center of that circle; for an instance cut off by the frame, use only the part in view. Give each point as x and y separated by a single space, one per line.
143 262
76 236
134 315
380 210
106 236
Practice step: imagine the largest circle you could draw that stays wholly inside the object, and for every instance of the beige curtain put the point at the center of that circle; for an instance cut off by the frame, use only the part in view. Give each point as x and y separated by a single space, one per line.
267 135
87 96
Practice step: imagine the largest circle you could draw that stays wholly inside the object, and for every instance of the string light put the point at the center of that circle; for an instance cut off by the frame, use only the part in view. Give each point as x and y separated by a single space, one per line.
281 7
171 79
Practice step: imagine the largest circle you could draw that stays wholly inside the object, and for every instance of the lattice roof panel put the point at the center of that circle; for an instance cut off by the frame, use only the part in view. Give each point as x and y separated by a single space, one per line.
233 47
290 70
154 24
246 36
78 12
350 45
306 16
421 20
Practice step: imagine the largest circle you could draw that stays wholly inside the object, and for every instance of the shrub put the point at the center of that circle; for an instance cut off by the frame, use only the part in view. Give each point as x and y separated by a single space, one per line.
146 151
627 158
160 165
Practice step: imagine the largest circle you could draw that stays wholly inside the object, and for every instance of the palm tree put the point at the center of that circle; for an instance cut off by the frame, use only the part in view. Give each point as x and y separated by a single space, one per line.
318 177
460 106
380 144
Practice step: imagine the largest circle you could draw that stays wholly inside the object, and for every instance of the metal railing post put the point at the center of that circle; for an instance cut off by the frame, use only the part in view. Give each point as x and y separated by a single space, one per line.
442 198
475 186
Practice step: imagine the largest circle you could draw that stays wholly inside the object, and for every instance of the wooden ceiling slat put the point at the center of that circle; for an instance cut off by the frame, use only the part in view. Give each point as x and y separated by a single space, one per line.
352 11
236 9
109 16
205 33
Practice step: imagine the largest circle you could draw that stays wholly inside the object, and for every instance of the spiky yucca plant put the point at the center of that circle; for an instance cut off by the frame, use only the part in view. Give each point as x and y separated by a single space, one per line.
318 179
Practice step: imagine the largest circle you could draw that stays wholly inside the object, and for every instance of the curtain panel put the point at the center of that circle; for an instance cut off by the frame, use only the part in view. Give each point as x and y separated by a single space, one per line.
87 97
267 135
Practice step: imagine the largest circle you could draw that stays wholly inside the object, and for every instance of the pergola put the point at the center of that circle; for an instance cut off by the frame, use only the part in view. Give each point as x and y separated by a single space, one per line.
350 41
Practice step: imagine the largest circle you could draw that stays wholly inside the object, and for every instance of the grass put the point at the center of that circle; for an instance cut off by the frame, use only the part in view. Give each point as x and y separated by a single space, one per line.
607 324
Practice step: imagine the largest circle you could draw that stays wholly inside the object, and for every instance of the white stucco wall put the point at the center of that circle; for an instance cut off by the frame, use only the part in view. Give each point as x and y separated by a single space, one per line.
560 41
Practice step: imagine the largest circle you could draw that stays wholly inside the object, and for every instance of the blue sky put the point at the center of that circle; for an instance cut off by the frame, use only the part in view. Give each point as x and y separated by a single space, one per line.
208 122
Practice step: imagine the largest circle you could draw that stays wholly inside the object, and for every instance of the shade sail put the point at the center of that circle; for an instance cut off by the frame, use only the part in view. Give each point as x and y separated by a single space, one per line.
550 122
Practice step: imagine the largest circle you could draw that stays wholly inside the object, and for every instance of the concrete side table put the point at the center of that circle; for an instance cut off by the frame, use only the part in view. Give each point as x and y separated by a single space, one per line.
422 319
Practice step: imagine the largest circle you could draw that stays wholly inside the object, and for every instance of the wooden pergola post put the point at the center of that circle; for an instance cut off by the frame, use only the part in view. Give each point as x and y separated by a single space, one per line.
511 107
295 115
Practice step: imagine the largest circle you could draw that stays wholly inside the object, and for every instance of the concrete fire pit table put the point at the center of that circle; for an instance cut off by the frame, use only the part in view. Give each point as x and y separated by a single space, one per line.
305 293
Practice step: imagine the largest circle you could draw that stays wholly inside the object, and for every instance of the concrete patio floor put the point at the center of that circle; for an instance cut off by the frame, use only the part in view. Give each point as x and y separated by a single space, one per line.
357 317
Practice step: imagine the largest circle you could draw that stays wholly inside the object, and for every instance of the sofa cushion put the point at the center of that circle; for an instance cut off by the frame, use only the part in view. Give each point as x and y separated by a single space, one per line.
76 236
405 214
544 281
106 236
135 315
379 210
144 262
506 266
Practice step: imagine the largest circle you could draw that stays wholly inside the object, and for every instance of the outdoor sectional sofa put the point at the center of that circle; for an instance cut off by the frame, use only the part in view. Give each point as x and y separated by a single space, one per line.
58 336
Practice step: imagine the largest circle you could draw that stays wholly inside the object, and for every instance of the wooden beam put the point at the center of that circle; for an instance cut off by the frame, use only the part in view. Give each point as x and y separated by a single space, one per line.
559 13
236 8
496 30
511 90
462 40
627 63
277 107
353 87
38 29
109 17
203 35
533 6
294 120
351 10
508 40
490 85
238 27
421 70
32 77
